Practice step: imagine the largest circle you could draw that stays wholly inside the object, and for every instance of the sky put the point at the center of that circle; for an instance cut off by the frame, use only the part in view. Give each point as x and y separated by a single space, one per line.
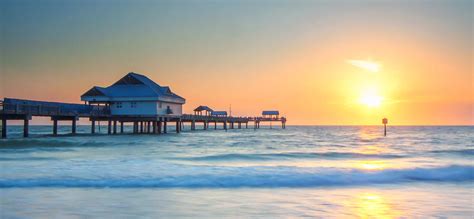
338 62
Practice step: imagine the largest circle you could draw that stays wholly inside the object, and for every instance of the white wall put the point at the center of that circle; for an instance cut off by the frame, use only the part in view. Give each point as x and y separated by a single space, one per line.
140 108
176 108
145 108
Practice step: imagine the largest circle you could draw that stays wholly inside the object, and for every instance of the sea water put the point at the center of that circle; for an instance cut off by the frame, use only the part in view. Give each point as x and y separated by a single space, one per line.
300 171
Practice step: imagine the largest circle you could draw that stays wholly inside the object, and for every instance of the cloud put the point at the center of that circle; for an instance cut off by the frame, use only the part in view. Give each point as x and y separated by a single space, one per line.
364 64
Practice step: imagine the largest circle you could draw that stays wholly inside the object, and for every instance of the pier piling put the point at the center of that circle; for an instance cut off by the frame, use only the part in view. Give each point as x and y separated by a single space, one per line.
109 127
25 128
93 127
115 127
159 126
4 128
165 126
55 127
73 128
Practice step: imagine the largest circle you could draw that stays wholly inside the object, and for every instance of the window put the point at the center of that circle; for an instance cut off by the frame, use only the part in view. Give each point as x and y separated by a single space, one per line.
133 104
160 105
168 110
118 105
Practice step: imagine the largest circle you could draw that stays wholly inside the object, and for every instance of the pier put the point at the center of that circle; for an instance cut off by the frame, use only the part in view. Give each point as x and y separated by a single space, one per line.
25 110
133 100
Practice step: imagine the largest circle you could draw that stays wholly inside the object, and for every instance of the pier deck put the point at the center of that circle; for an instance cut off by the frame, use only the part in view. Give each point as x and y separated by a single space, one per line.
18 109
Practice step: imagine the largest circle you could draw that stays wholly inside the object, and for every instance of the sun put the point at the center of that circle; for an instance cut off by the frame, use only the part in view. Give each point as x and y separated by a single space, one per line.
370 98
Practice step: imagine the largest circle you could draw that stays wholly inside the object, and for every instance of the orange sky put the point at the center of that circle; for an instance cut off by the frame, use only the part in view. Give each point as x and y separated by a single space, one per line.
290 57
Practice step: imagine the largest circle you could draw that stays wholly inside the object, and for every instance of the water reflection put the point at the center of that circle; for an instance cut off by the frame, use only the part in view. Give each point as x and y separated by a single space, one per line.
373 205
370 136
371 164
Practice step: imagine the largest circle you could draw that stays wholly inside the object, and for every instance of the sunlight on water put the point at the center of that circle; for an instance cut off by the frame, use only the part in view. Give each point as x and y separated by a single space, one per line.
372 205
372 164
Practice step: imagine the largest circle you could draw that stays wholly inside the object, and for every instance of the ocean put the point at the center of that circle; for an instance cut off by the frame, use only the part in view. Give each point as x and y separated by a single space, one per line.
300 171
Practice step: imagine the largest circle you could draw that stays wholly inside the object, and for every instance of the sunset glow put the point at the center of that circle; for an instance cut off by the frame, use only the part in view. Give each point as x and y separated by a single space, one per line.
237 109
276 58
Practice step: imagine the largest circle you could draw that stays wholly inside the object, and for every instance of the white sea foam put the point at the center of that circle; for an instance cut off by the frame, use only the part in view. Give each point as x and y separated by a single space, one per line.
261 177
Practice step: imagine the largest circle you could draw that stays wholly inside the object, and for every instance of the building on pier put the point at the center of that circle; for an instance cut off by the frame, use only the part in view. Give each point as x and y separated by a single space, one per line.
200 109
219 113
270 114
136 94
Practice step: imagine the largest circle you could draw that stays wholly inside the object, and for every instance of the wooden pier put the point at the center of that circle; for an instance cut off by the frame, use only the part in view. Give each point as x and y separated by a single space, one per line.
17 109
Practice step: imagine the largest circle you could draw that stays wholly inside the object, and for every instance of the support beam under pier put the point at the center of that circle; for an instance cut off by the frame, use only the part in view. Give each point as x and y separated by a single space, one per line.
159 126
135 127
93 127
4 128
55 127
25 128
115 127
73 128
178 126
165 126
109 127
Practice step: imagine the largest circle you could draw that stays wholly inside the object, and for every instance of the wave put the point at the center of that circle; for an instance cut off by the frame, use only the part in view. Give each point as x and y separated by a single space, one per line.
261 177
27 158
57 142
288 155
455 152
27 143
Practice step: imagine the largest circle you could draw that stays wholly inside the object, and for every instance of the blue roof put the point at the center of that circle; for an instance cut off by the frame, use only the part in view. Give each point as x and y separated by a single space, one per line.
203 108
270 112
133 85
219 113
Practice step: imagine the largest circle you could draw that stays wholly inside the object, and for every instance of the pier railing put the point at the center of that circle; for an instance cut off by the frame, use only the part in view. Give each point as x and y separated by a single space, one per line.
233 118
48 110
219 118
8 108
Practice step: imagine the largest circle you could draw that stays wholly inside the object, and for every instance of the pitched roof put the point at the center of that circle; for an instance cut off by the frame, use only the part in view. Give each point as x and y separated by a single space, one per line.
134 85
203 108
